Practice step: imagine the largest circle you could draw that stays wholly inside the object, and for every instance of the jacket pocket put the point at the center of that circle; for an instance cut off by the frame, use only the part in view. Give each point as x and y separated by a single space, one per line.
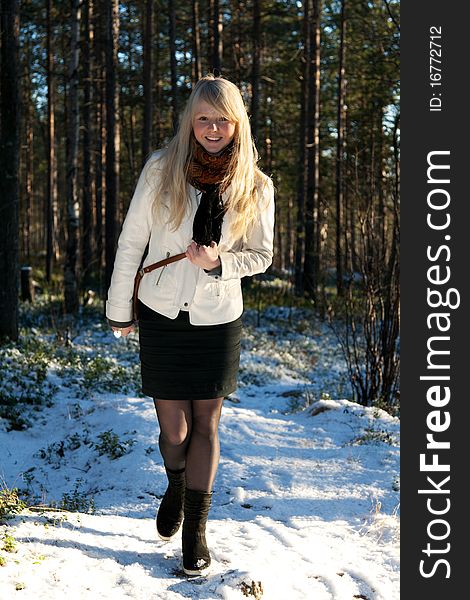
162 270
220 289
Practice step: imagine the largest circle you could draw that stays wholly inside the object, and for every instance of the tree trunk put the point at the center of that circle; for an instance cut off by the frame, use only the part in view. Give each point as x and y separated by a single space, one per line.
379 174
99 118
312 229
217 37
52 192
210 36
268 165
132 145
340 148
236 41
27 285
73 213
112 136
127 114
173 64
255 74
87 200
349 224
289 246
158 83
269 132
302 173
27 175
196 70
148 81
28 197
9 159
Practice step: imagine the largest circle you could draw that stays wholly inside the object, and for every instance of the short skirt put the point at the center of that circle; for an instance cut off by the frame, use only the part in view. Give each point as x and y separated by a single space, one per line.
181 361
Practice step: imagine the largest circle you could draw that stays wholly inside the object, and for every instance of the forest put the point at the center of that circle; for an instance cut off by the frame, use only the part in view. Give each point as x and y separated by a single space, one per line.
90 88
307 495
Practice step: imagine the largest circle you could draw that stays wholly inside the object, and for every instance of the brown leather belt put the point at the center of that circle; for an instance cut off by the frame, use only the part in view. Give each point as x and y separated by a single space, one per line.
148 269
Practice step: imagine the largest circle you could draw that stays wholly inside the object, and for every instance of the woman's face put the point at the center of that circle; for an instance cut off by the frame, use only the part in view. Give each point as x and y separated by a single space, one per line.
213 131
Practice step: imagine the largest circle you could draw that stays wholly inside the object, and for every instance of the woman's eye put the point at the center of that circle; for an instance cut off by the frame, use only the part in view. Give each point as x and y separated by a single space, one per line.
218 119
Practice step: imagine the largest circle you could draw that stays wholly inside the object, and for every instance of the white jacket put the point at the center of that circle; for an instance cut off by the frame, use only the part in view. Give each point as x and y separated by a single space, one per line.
210 299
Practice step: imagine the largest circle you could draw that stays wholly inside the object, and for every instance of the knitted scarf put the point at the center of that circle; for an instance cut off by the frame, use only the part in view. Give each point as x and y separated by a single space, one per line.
206 172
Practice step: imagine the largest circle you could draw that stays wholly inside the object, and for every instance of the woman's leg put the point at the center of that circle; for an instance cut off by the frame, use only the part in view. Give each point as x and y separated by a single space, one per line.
202 460
174 417
203 451
175 428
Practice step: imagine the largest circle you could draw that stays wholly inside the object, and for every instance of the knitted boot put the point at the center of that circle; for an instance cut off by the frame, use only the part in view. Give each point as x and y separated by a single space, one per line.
196 557
170 511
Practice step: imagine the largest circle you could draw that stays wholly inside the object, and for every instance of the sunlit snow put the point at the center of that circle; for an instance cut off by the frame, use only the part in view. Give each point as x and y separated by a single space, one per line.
305 503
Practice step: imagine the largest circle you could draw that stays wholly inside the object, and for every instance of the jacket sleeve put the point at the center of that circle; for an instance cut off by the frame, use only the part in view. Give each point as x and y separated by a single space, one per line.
257 252
132 242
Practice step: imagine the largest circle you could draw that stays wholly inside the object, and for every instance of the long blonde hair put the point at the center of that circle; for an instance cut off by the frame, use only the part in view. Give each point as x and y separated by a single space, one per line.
246 179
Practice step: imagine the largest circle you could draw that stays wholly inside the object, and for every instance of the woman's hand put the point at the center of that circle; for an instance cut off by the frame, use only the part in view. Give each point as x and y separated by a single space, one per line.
206 257
124 331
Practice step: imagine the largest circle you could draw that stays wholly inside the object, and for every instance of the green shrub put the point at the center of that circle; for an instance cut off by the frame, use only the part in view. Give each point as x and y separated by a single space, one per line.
111 446
97 373
24 366
372 435
103 374
55 452
8 543
10 503
77 500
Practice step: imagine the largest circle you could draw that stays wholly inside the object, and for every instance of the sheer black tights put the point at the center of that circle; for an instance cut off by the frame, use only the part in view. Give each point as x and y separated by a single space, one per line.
189 438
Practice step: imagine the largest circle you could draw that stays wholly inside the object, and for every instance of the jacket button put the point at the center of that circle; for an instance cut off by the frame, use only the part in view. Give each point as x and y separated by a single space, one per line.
185 304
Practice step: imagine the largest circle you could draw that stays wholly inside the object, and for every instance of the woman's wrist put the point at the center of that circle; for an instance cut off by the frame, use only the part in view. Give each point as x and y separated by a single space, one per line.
216 270
211 265
119 324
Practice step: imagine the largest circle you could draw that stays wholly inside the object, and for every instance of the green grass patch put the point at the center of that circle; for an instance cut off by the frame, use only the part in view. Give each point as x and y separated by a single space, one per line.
10 503
77 500
111 446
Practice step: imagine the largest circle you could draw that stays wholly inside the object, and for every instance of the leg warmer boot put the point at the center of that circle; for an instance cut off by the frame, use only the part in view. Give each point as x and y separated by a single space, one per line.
196 557
170 512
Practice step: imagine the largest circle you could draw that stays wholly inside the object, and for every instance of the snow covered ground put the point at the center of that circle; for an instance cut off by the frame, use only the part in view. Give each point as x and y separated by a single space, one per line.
305 502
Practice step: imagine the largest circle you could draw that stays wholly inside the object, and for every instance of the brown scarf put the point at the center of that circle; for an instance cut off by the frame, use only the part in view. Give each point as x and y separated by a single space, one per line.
205 168
206 172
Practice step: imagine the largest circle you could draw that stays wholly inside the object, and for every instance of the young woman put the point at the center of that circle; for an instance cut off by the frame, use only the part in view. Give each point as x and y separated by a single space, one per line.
205 197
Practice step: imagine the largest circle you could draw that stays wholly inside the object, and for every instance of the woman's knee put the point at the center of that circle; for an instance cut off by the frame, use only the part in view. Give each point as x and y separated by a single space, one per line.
177 437
206 422
174 418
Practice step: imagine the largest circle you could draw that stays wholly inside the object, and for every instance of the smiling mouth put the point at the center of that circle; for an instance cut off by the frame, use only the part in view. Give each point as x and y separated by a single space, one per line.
213 139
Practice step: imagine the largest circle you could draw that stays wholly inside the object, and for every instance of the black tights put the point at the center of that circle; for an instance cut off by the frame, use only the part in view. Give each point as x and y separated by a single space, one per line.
189 438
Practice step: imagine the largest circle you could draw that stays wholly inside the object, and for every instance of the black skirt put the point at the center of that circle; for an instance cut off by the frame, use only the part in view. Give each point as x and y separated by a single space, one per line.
180 361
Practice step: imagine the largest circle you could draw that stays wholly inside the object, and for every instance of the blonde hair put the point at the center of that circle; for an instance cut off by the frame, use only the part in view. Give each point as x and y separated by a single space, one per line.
245 177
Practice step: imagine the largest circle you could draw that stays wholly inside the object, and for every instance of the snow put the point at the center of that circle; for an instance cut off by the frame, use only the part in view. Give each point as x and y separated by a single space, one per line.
305 502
